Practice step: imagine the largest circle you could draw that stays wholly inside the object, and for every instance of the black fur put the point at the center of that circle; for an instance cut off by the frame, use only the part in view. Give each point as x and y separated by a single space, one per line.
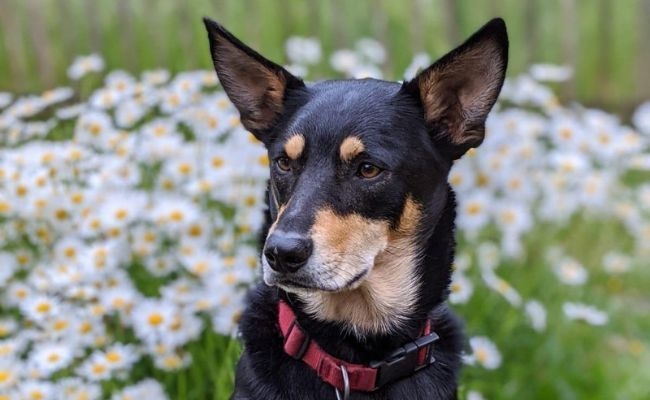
413 140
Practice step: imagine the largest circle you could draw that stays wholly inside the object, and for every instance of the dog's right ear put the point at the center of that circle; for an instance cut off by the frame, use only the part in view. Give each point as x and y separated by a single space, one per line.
256 86
458 91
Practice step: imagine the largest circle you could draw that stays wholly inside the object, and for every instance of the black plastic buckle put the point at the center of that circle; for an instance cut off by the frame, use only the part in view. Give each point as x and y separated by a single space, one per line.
404 361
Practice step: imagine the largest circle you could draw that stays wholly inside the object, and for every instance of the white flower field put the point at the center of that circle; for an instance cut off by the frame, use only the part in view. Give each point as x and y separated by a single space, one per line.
129 218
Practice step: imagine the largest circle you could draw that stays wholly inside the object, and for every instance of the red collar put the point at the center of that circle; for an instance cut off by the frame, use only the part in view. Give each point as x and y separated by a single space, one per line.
401 363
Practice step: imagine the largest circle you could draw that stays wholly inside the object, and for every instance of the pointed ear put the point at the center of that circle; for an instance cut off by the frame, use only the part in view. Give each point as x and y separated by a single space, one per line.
256 86
458 91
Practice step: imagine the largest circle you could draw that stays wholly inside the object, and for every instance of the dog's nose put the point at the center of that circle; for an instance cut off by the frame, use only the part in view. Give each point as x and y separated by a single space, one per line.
287 252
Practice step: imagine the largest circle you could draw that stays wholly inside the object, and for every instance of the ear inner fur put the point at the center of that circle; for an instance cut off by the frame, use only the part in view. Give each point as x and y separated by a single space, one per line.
256 86
458 91
389 291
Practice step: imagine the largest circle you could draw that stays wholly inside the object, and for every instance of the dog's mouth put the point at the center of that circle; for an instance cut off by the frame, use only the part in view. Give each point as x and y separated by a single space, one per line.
304 282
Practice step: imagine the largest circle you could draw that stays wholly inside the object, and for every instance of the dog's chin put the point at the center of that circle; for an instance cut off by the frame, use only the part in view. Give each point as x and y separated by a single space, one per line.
296 283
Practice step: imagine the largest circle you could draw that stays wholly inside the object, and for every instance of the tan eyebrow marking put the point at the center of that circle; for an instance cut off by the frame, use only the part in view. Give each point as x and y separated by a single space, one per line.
294 146
351 147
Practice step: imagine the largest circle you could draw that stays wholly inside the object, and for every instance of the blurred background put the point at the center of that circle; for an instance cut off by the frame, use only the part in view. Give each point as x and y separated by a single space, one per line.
131 196
606 41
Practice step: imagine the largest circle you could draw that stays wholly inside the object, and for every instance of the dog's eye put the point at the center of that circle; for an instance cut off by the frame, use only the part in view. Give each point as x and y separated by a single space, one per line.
368 171
284 164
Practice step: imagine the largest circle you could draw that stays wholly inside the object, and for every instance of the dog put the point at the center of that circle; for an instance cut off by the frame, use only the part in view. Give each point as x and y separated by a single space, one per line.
359 241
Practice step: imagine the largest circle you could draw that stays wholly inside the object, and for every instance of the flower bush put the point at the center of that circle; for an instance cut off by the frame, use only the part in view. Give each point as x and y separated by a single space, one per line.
129 220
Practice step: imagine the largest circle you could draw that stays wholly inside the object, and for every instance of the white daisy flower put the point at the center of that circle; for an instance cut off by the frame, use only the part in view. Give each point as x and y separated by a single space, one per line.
5 99
474 212
484 353
502 287
372 50
461 289
583 312
344 61
155 77
536 314
83 65
11 371
77 389
146 389
551 73
616 263
571 272
32 389
303 50
172 361
49 357
641 118
474 395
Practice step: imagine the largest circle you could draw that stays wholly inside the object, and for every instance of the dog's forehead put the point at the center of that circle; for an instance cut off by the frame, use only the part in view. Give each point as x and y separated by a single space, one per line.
337 110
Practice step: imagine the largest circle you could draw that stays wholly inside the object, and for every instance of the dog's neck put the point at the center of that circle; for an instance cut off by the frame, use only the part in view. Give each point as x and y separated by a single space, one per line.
399 316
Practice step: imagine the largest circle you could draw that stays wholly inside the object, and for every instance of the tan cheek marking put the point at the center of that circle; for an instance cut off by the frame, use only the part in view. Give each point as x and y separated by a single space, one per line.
351 147
294 146
389 291
345 235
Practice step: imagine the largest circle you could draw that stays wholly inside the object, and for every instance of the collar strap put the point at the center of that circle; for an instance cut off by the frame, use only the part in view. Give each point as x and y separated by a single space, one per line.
401 363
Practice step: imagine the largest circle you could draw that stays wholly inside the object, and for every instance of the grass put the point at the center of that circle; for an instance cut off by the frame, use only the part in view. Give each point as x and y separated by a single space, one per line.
602 39
570 360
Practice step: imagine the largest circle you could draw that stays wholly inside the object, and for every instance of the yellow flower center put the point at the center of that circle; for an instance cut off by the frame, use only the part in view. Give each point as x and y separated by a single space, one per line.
155 319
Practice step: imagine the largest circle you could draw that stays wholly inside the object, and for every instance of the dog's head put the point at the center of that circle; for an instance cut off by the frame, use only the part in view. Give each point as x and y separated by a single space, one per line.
359 169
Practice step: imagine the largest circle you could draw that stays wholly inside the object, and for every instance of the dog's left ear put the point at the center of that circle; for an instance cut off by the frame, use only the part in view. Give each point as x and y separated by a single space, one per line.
458 91
256 86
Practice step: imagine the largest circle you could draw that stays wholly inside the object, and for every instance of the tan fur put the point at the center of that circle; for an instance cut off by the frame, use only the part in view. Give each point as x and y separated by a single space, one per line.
294 146
351 147
275 223
476 75
389 290
256 91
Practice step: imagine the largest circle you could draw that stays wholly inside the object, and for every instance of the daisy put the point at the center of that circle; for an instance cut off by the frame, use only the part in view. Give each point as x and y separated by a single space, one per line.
10 371
474 395
5 99
583 312
156 77
502 287
32 389
550 72
344 60
146 389
9 266
94 128
484 353
172 361
641 118
419 62
461 289
40 307
151 319
570 272
76 389
536 314
474 212
82 65
616 263
118 356
303 50
50 357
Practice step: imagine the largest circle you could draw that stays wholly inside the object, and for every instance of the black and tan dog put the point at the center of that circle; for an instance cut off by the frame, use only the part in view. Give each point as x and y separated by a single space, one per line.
360 240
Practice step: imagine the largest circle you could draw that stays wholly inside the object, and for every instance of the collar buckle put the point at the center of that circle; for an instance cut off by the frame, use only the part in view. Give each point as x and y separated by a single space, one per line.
405 360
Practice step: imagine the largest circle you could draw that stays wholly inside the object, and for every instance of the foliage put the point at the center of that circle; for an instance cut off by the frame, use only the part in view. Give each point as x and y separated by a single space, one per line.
129 214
